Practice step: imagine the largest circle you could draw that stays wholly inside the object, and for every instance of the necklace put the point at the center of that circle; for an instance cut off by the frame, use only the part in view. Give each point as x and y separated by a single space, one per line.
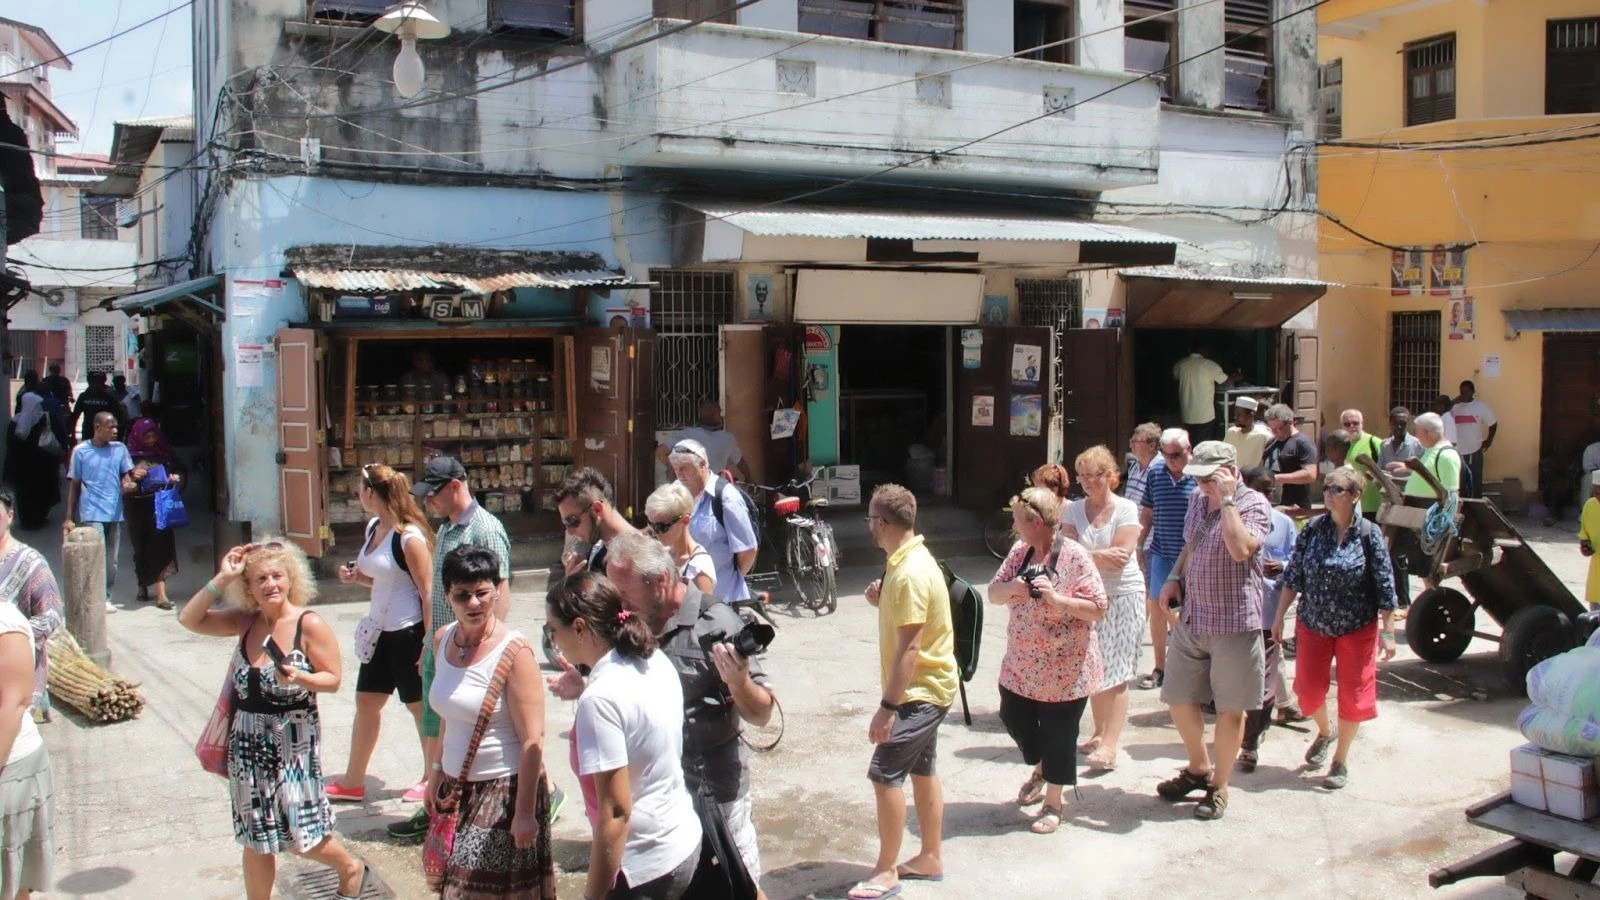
465 650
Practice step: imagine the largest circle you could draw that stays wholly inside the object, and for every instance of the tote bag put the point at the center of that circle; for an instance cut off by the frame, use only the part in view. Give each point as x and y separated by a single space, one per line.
170 512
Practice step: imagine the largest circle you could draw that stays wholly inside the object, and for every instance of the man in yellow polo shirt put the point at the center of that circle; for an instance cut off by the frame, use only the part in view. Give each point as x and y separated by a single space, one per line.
917 650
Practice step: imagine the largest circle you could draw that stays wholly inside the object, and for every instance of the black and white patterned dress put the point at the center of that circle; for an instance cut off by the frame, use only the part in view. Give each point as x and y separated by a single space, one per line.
275 759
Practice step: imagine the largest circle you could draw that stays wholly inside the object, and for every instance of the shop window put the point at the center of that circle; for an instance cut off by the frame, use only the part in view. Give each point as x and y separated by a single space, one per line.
353 12
1330 98
923 23
98 217
1572 67
1148 46
687 307
1036 24
1247 57
1431 80
100 349
694 10
1414 347
536 18
1056 304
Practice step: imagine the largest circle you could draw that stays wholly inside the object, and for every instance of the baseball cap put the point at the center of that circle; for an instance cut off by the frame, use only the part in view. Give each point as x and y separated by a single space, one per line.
1247 403
1210 456
693 448
436 473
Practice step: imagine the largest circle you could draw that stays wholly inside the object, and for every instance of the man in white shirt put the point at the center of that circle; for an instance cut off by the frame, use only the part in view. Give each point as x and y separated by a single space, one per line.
1441 406
722 448
1591 459
1198 378
1248 435
1475 430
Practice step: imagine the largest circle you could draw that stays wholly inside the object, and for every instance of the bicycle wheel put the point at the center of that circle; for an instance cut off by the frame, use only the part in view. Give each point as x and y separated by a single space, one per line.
802 562
997 534
829 569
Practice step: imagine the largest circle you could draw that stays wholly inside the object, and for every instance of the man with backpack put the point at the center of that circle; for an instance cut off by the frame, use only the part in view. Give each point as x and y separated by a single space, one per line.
722 521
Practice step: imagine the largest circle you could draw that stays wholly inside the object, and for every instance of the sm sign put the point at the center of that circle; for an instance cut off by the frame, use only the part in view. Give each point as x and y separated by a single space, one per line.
469 307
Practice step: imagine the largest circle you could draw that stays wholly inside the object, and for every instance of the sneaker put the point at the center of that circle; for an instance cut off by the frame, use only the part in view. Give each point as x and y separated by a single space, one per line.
1213 804
1290 713
416 793
1317 753
1247 761
412 828
338 793
1338 776
1183 784
110 607
558 799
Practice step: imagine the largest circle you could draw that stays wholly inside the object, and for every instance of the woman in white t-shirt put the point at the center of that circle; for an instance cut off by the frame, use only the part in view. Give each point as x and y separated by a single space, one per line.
396 561
1108 527
629 729
667 509
26 807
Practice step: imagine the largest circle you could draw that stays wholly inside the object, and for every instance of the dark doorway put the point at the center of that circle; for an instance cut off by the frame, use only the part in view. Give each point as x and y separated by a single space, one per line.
893 397
1249 354
1569 411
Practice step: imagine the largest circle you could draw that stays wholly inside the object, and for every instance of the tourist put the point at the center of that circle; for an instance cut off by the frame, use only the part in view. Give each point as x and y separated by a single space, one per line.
1161 515
27 804
667 511
720 522
1291 456
27 583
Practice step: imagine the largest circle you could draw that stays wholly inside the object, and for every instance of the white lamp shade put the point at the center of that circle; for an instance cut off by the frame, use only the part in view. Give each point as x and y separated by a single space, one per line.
414 19
408 71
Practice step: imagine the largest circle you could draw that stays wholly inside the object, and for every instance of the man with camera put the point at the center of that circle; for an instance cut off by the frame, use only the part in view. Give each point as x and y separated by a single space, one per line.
1214 651
700 635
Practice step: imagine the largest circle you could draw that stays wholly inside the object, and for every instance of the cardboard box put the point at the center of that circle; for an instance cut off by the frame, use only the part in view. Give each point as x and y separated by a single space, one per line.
1528 790
1572 771
1576 803
1528 760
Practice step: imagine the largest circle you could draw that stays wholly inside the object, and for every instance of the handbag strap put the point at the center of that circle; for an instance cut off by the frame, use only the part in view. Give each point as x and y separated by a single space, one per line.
491 699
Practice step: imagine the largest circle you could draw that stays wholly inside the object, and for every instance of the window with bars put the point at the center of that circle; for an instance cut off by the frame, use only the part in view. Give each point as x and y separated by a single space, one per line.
352 11
1431 80
1056 304
711 10
923 23
534 18
1414 347
1036 23
687 307
1149 46
97 217
100 349
1572 66
1247 56
1330 98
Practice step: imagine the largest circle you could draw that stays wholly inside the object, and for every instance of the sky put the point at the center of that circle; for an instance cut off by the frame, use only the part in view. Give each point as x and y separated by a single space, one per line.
143 73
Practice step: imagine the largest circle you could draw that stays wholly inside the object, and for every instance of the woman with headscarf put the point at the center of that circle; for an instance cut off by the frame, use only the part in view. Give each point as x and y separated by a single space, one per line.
155 552
34 470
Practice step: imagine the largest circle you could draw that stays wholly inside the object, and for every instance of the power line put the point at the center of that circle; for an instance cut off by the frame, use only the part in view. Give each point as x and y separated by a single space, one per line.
108 38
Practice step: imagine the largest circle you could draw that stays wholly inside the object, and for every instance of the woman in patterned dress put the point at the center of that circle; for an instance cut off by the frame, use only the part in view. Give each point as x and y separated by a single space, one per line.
1052 662
1108 527
27 583
275 744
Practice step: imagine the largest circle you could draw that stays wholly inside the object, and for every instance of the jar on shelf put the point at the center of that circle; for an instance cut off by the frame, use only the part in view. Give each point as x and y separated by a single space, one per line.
408 398
391 399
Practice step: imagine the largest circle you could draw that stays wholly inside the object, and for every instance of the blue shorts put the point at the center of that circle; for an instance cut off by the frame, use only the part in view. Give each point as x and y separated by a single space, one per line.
1160 567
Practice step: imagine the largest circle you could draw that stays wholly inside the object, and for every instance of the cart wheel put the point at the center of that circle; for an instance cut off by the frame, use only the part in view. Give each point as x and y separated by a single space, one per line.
1533 634
1439 627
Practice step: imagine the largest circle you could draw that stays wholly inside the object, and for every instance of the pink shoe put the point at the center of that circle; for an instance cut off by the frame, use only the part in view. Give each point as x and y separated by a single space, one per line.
416 793
338 793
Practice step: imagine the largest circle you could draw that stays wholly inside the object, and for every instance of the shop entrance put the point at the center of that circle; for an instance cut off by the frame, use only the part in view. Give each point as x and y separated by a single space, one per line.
1250 355
894 397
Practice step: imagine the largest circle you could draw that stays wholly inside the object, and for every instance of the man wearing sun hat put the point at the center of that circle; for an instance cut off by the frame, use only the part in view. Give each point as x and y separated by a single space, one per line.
1214 650
1248 435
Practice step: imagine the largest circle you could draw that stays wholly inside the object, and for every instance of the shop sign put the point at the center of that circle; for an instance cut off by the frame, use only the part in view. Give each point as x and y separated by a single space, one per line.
818 341
451 307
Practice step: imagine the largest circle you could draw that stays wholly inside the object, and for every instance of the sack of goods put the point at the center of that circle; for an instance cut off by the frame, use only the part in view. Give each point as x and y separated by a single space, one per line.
1564 716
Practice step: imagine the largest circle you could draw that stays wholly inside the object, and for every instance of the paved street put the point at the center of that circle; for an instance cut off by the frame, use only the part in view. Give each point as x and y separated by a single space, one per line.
136 816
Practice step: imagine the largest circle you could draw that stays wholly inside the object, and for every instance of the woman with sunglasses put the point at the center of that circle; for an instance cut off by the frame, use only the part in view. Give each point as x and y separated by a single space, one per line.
396 562
667 509
1340 570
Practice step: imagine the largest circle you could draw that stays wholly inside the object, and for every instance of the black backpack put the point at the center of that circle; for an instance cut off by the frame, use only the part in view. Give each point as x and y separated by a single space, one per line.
750 511
396 546
966 619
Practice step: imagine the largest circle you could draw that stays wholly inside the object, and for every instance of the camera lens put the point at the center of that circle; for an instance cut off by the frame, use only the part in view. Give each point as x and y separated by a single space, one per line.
753 639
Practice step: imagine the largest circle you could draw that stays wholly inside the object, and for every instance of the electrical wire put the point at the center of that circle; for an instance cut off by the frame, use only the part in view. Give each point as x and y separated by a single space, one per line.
131 28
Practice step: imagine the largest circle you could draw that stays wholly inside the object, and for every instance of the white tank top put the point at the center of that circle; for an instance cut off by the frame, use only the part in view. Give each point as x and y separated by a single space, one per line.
457 696
395 601
28 739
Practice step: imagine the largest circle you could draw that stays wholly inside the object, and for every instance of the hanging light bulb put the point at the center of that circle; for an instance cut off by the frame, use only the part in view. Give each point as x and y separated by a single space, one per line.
410 22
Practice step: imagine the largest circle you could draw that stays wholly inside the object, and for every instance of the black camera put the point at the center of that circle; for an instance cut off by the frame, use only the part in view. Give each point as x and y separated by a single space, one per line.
750 641
1034 592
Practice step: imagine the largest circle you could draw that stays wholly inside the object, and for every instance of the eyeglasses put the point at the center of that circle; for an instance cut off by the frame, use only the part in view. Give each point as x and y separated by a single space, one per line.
462 596
1351 423
270 545
1337 489
1082 476
657 527
572 520
873 518
1177 455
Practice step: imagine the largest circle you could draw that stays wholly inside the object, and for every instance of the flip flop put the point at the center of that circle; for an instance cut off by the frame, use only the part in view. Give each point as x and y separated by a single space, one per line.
906 874
1047 822
865 891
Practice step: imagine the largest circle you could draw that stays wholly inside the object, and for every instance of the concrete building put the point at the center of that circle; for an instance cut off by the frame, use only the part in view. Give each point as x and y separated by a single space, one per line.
1464 178
867 215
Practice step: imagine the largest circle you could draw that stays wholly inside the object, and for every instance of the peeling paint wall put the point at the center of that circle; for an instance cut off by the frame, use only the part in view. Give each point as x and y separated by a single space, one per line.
1200 79
1098 50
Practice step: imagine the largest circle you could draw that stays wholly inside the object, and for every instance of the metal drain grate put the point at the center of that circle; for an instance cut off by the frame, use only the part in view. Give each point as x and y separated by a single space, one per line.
322 883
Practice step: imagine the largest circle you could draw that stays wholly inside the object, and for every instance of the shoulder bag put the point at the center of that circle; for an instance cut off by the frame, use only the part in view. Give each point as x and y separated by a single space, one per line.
49 443
441 839
212 747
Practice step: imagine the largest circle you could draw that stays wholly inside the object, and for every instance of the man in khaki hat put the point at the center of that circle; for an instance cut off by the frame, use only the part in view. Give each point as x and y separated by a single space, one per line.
1214 650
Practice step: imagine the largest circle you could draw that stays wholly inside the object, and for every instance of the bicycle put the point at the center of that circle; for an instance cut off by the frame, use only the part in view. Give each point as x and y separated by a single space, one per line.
808 555
998 535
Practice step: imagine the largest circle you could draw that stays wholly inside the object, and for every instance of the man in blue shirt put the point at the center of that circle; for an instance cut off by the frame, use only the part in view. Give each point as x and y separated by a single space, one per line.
94 498
1275 550
731 541
1165 503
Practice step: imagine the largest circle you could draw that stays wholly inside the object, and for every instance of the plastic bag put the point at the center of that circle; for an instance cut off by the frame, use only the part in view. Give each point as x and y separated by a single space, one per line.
1552 730
170 512
1568 683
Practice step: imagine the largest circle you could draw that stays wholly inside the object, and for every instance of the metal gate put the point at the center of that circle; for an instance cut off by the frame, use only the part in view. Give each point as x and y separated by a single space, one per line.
686 309
1414 360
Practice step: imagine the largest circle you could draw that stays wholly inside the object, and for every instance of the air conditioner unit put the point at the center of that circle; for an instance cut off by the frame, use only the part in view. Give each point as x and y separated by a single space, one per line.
60 302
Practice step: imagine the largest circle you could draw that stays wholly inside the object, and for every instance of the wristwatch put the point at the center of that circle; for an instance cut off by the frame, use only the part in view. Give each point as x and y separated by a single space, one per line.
1227 501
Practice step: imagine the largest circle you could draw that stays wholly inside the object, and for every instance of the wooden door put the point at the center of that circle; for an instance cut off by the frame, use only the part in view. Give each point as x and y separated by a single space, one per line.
1569 410
783 387
302 464
1097 390
990 462
614 388
744 408
1300 373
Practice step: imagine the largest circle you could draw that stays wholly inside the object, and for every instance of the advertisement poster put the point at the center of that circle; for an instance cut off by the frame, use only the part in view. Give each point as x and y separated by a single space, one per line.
817 341
1025 359
1027 415
1095 317
758 299
1461 326
250 368
982 411
1114 317
996 309
971 348
1491 365
1405 272
1447 272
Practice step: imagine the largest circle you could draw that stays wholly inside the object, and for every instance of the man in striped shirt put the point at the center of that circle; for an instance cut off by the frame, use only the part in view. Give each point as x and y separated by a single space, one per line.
1165 502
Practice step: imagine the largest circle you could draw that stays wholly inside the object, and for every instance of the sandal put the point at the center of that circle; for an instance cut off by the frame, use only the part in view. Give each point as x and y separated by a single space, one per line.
1049 820
1213 804
164 603
1032 789
1102 761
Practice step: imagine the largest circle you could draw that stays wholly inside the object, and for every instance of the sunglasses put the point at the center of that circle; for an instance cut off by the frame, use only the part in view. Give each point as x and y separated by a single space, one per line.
1177 455
270 545
664 527
1350 423
572 520
1337 489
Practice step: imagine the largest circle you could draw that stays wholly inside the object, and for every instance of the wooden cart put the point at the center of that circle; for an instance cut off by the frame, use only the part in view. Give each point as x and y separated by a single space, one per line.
1503 576
1528 860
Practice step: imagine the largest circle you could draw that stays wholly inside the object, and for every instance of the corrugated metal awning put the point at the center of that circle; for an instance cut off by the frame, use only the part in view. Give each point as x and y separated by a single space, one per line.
1181 297
202 292
1553 319
790 221
384 280
1178 273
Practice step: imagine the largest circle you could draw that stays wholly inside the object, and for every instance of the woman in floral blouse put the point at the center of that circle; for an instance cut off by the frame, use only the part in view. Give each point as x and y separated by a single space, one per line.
1052 662
1340 570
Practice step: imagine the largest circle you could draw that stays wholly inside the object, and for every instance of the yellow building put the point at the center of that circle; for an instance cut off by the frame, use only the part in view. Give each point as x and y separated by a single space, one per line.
1460 177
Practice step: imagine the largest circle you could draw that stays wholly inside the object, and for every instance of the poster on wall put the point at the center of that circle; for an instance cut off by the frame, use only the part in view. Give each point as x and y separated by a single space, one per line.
1405 272
1027 415
1095 317
1025 359
1461 319
817 341
1114 317
996 309
983 411
1447 271
971 348
758 299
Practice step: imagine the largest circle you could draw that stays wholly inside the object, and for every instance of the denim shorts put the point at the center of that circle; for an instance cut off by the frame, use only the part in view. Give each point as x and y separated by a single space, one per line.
1160 568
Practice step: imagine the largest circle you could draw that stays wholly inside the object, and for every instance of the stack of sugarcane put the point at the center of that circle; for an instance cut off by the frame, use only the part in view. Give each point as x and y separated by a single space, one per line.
76 681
